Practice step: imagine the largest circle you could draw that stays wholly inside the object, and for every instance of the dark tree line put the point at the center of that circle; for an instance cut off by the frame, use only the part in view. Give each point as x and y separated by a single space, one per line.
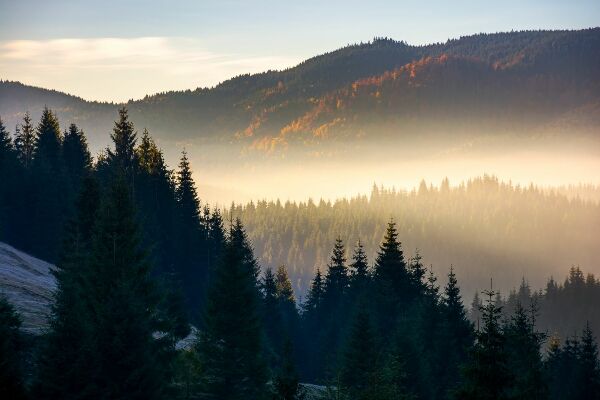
138 257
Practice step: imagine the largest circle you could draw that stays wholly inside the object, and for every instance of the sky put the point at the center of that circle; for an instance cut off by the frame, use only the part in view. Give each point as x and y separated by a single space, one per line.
118 50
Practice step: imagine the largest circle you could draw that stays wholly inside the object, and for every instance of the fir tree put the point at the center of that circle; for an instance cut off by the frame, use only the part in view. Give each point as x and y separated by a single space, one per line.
11 347
25 141
76 155
9 179
314 298
457 333
124 138
272 319
195 269
359 362
48 142
231 344
128 360
359 271
336 280
50 197
390 278
590 367
64 372
523 345
486 375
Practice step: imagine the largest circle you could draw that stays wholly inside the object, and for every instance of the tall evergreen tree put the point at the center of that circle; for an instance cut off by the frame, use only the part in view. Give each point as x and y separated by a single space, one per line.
77 158
231 343
272 318
486 376
9 179
25 141
359 271
523 345
64 370
359 363
12 384
124 138
191 238
50 200
590 366
127 360
337 279
390 279
457 333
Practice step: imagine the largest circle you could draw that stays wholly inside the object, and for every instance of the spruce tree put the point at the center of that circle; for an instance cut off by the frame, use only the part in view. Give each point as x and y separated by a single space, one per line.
391 280
12 384
9 183
286 302
77 158
50 199
25 141
272 319
231 343
457 333
359 362
486 375
337 279
64 370
359 271
190 244
123 157
523 346
314 298
128 360
590 367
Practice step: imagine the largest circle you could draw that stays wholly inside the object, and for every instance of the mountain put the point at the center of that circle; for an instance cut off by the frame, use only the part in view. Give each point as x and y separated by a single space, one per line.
521 82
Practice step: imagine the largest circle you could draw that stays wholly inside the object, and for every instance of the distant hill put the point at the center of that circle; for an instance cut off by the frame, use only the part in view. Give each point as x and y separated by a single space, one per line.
529 81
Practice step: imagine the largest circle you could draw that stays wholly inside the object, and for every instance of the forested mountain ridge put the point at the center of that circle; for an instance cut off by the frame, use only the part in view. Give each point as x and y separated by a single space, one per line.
541 75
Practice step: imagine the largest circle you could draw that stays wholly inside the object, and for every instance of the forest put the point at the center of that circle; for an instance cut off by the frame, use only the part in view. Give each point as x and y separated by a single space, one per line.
140 260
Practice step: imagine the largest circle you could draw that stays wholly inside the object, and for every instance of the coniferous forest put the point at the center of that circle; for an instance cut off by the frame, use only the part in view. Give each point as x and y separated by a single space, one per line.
160 296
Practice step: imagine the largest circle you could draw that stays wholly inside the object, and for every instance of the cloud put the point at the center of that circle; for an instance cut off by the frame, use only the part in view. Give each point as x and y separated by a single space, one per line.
116 69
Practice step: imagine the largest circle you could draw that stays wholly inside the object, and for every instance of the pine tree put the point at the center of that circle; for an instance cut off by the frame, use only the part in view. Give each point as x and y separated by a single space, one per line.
390 279
191 244
314 298
359 362
486 375
64 372
127 360
48 142
11 347
359 271
272 318
523 345
590 367
123 157
286 302
9 182
50 197
25 141
336 280
457 333
77 158
231 344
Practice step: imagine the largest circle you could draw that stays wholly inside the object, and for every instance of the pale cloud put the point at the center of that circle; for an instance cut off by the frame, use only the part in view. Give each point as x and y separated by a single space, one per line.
117 69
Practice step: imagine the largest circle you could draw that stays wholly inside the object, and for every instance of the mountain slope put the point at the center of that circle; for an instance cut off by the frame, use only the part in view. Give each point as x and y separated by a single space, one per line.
28 283
538 74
